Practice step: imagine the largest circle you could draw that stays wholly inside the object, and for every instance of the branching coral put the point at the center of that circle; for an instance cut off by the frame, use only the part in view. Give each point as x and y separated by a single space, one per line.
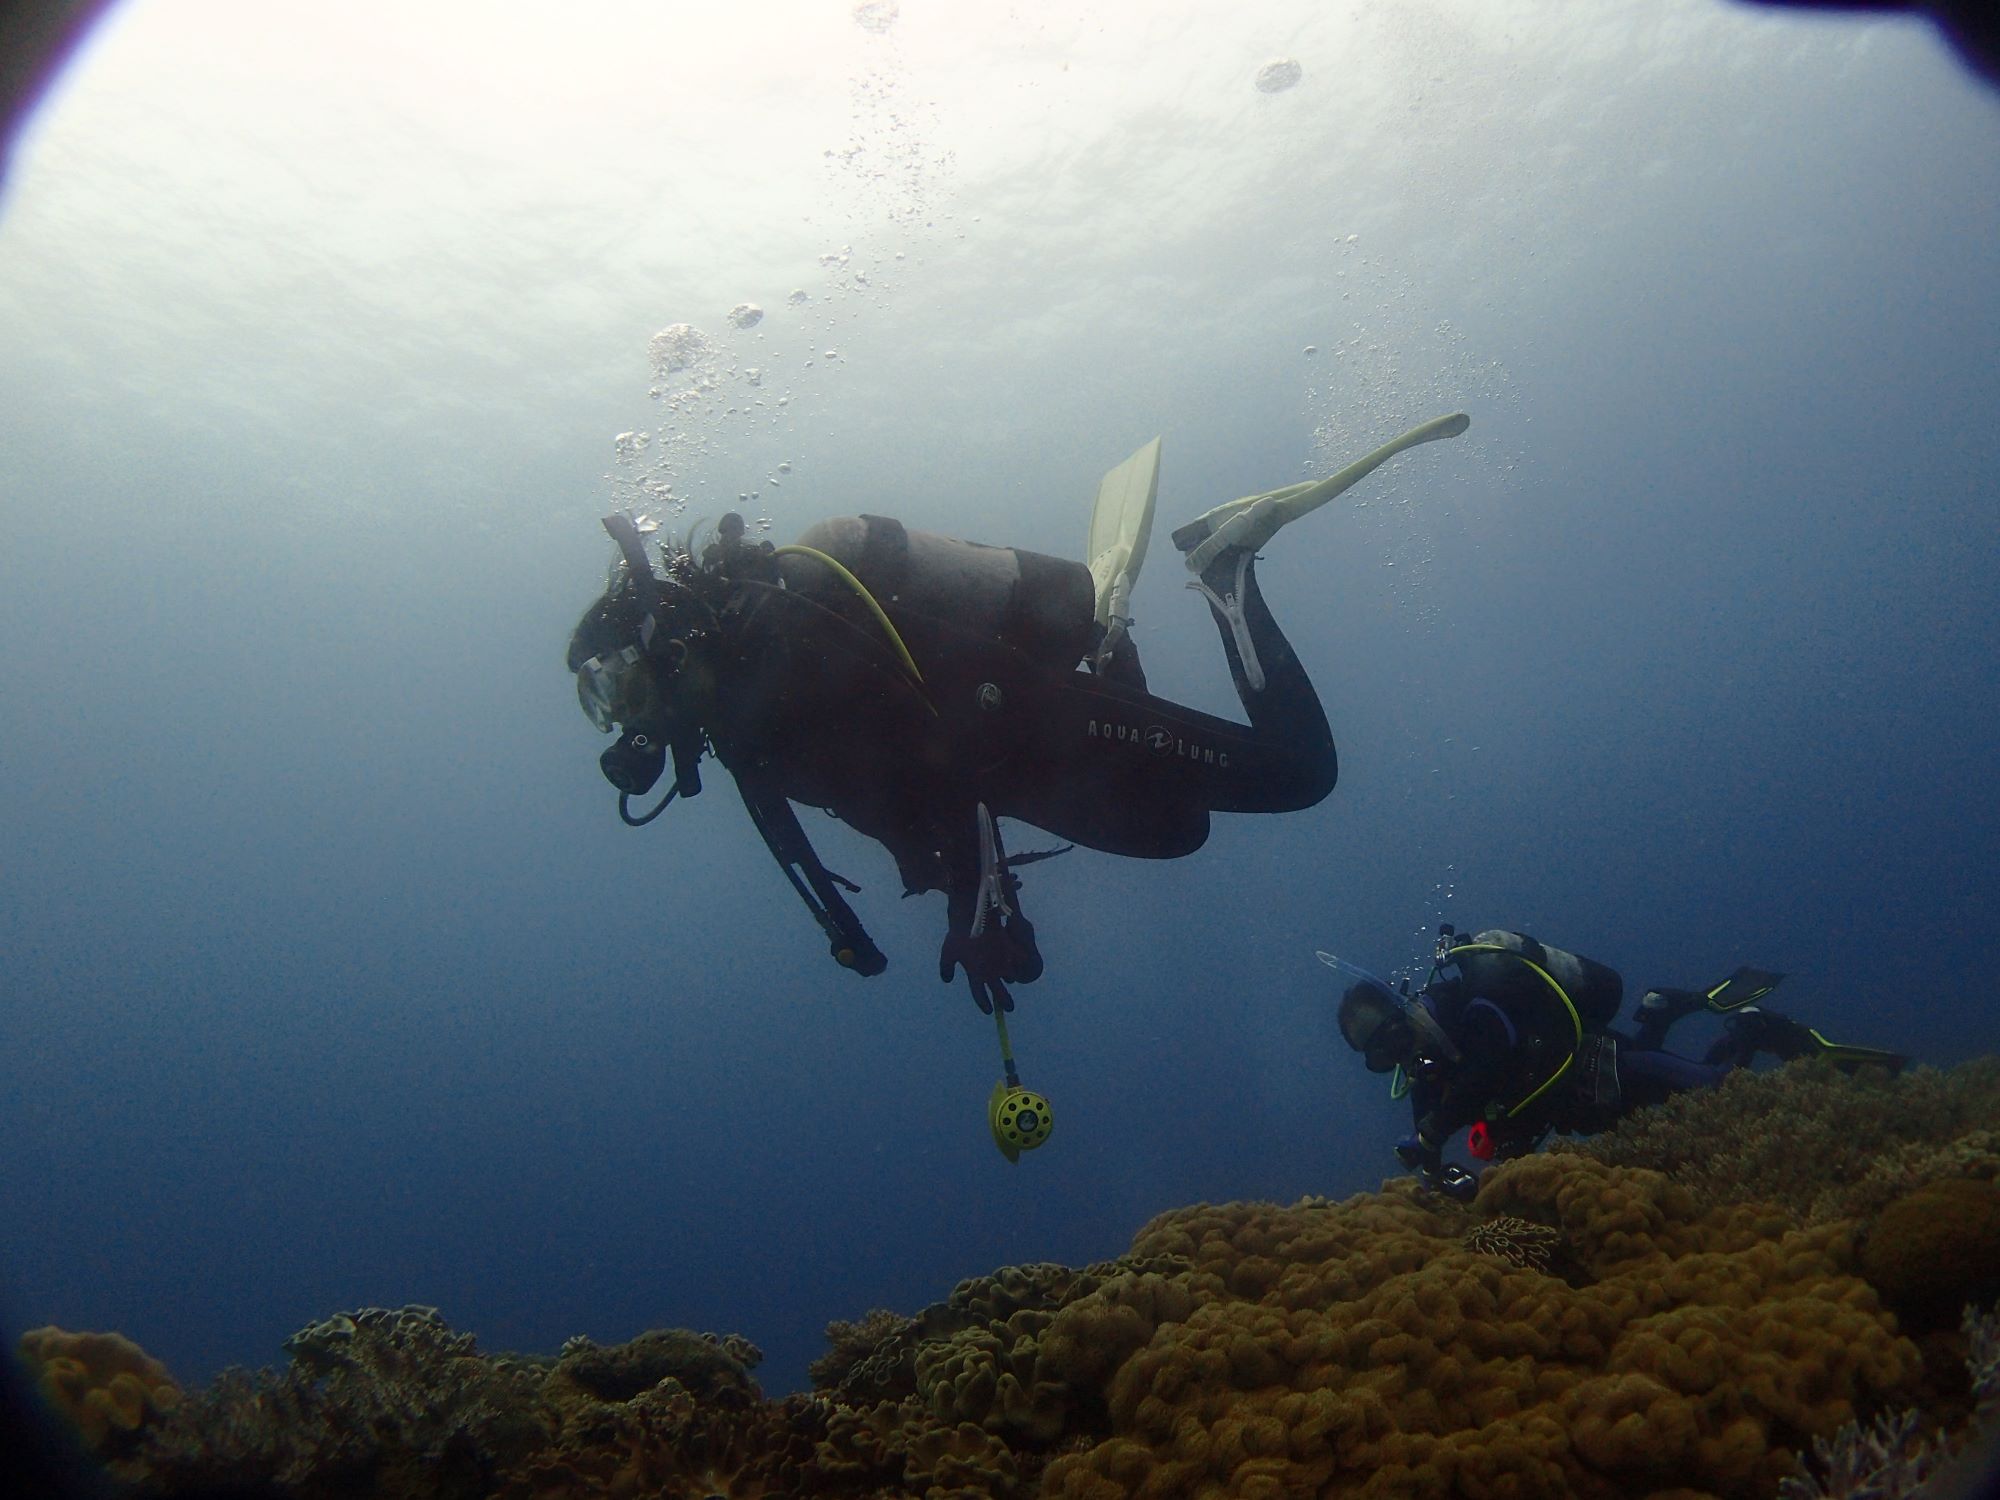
1888 1459
1819 1142
1982 1357
850 1343
701 1363
1901 1455
393 1402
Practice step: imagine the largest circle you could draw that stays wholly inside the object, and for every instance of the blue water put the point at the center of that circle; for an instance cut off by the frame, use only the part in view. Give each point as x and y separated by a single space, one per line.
330 977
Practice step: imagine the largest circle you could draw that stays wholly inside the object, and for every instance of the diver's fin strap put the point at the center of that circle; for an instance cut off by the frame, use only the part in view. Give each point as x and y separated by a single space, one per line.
1745 987
1230 606
818 887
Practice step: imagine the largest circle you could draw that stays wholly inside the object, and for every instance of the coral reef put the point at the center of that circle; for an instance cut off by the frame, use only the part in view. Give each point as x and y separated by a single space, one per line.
379 1402
104 1383
1902 1455
702 1364
1520 1242
1590 1326
849 1343
1364 1350
1889 1458
1982 1358
1936 1249
1817 1141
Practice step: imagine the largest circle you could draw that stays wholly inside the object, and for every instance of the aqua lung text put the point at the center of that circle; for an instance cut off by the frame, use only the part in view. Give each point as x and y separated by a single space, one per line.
1159 740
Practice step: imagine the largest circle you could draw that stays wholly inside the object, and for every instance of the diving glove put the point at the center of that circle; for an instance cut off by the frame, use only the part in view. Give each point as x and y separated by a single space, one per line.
1005 953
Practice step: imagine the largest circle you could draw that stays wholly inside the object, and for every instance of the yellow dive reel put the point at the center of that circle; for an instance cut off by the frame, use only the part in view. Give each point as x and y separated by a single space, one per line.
1019 1118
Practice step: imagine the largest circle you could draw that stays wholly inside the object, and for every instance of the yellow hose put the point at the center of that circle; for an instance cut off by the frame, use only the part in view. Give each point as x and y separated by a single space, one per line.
1569 1005
861 591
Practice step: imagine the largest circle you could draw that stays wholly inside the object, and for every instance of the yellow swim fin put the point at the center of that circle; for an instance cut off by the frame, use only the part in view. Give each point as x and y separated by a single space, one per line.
1121 523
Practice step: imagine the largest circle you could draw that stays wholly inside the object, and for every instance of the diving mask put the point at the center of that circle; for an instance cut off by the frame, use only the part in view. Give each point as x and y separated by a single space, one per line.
605 685
617 686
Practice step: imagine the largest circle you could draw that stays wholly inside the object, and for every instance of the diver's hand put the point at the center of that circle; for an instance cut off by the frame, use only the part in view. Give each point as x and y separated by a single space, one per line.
858 953
1003 954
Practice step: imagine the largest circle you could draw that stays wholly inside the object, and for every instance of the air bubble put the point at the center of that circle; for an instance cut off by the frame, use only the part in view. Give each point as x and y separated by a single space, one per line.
1278 75
876 16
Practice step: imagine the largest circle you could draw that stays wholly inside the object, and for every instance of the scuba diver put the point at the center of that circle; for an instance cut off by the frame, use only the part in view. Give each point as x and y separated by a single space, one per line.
1517 1041
920 689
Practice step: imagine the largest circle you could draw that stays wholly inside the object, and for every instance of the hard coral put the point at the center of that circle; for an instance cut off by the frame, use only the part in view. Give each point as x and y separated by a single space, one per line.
1521 1242
104 1383
664 1441
392 1403
851 1343
1936 1249
1362 1349
701 1363
1901 1455
1818 1142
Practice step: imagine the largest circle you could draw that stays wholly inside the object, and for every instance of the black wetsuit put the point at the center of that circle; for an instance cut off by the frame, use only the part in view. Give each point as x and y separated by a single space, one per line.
1514 1034
809 703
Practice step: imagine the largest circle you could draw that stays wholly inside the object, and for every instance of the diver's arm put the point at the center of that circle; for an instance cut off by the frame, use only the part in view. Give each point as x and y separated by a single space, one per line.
1445 1099
817 886
1440 1107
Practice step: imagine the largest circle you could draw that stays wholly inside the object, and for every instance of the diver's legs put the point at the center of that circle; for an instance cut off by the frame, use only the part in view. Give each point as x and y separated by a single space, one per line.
1659 1010
1650 1076
1277 695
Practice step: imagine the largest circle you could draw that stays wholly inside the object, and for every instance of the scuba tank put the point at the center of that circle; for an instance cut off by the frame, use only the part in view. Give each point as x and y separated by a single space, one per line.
1595 989
1042 606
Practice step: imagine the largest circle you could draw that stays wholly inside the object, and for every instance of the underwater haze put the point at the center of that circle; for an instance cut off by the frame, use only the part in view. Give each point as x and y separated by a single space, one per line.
331 977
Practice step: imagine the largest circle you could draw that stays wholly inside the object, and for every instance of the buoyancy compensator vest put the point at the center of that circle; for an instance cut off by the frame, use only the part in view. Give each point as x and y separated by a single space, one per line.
1044 607
1489 963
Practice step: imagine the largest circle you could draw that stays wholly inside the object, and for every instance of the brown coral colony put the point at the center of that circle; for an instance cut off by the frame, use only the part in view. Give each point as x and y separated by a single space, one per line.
1593 1325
